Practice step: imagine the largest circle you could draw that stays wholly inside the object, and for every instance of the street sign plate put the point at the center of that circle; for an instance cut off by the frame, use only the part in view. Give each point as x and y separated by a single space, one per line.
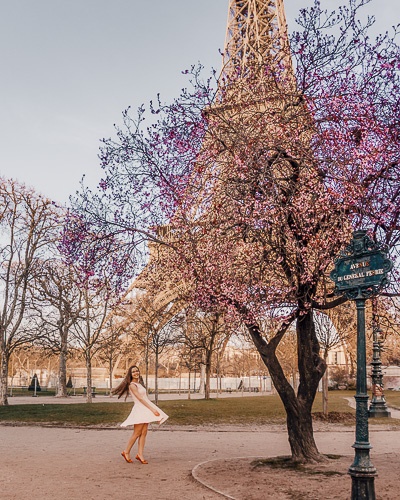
362 268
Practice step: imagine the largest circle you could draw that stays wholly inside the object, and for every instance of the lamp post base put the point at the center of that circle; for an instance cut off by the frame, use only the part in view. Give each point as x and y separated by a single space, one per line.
362 487
362 473
378 413
378 408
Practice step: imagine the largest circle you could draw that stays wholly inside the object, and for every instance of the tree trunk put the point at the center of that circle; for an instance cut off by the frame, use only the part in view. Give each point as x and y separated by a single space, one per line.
62 367
147 362
209 352
207 391
325 390
352 366
156 379
89 398
298 407
189 386
4 380
110 369
203 382
301 435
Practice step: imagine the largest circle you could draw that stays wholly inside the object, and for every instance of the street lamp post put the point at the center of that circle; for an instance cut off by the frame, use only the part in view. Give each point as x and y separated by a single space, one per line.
360 273
362 471
378 407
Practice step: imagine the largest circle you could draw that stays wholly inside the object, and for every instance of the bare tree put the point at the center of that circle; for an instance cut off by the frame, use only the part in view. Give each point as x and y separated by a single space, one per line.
57 302
161 339
27 223
329 338
191 359
90 332
154 328
386 319
113 346
287 354
206 333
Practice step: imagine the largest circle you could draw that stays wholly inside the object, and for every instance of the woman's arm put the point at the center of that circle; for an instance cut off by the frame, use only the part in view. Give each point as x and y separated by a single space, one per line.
133 388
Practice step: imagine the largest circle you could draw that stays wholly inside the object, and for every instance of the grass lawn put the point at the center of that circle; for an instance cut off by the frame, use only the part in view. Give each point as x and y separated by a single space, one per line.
68 414
18 391
336 401
258 410
393 399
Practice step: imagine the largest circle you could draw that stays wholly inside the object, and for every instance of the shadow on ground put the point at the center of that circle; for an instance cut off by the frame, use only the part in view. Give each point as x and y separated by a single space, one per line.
251 478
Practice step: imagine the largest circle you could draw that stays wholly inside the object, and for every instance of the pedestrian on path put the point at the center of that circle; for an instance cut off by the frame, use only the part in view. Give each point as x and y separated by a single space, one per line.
142 413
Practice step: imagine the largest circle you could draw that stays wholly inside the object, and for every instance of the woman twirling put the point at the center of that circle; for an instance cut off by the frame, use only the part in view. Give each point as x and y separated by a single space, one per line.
142 413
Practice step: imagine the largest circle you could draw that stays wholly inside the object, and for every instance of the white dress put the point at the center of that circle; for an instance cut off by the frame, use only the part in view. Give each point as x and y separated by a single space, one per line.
140 414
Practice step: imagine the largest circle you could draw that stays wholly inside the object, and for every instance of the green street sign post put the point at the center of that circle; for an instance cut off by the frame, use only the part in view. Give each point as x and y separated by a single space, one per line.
360 273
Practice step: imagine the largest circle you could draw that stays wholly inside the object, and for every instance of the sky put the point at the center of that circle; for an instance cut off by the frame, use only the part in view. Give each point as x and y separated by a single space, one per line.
70 67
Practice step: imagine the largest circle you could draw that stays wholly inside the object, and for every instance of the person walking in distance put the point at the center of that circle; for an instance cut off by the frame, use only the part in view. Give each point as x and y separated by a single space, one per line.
142 413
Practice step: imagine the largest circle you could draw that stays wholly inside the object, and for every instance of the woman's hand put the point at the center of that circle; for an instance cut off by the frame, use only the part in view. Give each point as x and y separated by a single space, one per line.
156 413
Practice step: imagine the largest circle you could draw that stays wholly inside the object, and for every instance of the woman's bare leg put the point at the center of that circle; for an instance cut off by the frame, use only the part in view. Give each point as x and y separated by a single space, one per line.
137 431
142 441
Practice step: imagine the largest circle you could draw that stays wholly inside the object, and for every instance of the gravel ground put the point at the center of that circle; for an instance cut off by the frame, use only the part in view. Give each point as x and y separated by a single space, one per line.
39 463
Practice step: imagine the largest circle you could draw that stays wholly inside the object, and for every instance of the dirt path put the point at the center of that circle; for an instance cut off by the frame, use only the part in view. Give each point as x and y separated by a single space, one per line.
38 463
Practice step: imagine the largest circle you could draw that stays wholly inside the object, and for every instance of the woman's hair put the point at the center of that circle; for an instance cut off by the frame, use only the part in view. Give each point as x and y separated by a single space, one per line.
123 387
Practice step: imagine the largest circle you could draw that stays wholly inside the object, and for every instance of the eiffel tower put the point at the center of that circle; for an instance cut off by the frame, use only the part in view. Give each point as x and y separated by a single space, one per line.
256 37
257 75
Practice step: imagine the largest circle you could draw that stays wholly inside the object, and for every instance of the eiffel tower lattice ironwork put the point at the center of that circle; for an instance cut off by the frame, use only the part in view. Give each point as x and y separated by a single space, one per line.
256 35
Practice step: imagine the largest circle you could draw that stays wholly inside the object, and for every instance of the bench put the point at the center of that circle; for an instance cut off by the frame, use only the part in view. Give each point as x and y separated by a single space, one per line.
93 392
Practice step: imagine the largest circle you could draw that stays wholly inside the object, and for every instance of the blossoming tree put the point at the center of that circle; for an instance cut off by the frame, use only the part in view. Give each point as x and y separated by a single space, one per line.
256 199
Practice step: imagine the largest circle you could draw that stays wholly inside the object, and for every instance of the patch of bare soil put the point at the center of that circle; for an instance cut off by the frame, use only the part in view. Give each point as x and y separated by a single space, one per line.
336 417
280 479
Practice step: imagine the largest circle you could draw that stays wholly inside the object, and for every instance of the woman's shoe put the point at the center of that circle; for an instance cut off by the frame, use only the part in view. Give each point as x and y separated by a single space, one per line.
140 460
129 460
